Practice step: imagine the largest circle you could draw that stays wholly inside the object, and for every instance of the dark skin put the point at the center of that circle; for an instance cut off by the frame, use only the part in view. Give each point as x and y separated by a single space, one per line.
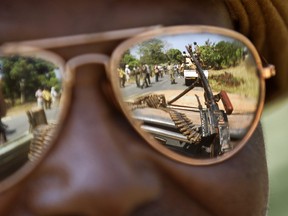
122 174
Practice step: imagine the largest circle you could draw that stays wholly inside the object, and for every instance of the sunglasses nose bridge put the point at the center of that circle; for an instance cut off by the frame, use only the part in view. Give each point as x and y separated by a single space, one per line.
85 59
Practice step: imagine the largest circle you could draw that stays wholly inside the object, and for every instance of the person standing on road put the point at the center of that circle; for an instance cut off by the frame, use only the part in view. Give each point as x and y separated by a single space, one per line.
137 73
127 72
171 73
47 98
38 95
157 73
54 95
122 77
146 76
149 73
3 112
181 69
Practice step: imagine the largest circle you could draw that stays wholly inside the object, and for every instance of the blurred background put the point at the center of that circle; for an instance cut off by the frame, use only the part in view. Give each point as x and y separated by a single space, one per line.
275 126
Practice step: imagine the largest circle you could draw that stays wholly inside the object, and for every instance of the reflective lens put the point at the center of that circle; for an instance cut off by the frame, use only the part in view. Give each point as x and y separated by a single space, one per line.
31 87
196 94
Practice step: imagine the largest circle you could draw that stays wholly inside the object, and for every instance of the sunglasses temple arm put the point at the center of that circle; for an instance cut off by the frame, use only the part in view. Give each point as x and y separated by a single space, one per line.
269 70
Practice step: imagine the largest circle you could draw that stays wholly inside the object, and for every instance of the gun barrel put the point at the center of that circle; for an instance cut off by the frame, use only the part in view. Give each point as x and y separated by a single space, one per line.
204 81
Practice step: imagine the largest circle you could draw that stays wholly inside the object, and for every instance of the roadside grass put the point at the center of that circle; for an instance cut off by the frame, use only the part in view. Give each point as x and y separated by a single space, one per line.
245 74
20 108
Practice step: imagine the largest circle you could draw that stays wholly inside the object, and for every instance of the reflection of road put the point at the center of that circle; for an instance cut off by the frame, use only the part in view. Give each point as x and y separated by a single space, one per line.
18 124
131 89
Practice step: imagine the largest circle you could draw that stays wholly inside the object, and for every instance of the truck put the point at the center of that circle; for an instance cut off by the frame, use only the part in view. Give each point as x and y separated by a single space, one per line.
191 76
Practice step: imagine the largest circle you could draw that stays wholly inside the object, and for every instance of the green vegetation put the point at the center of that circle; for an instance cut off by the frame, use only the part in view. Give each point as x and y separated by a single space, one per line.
242 80
22 76
221 55
151 52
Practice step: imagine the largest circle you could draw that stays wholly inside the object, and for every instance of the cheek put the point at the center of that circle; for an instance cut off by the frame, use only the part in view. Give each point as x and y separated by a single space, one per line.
238 186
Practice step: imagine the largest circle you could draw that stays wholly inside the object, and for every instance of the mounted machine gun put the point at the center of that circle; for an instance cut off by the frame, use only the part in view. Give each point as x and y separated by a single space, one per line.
214 122
209 137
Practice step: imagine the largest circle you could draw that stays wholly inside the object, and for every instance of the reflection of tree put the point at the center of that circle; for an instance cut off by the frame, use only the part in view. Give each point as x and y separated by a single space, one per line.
128 59
175 56
152 52
35 72
221 55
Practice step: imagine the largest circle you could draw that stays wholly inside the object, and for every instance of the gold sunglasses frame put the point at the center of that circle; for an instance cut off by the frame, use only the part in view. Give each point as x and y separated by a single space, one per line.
263 73
41 48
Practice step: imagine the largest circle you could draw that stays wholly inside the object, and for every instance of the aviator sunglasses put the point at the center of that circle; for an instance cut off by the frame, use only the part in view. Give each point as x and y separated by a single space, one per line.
194 93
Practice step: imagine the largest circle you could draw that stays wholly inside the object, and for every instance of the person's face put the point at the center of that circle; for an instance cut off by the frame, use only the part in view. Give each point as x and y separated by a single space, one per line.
99 164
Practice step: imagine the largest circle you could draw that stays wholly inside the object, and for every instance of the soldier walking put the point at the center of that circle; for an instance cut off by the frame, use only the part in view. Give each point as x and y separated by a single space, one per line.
170 69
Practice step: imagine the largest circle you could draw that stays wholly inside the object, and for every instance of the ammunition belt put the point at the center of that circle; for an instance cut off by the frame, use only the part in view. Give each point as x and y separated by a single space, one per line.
43 135
181 121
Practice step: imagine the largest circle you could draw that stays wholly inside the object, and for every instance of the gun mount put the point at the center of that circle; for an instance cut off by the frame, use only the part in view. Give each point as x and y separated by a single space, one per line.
214 122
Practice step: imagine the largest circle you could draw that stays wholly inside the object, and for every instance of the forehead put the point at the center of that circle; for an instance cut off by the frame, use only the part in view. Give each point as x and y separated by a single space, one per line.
21 20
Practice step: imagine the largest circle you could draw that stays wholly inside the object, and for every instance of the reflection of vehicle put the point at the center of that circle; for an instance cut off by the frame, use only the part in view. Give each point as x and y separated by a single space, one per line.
191 76
199 130
14 155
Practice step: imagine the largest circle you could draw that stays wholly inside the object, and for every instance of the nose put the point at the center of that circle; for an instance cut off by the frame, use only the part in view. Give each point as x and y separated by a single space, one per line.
98 164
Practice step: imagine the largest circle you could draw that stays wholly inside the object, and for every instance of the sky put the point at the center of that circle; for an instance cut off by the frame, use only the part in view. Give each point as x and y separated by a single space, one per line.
181 40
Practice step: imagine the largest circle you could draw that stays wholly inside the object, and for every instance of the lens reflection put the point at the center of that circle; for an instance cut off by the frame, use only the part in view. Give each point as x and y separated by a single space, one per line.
197 94
31 88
